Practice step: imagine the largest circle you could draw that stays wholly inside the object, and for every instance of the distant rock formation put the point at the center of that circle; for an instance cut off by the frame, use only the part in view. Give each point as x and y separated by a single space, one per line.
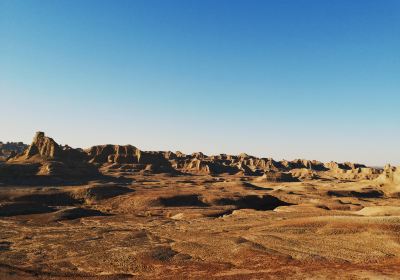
54 159
123 157
45 148
389 180
44 157
276 176
10 149
304 174
390 175
113 154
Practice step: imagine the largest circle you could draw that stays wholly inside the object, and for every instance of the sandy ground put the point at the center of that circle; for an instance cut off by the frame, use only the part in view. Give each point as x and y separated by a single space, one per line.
200 227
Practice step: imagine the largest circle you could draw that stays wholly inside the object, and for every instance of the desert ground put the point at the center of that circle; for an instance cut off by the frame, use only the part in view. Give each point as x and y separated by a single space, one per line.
115 212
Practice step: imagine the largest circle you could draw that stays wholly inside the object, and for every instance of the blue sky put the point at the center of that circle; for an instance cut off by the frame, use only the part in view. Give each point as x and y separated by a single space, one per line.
312 79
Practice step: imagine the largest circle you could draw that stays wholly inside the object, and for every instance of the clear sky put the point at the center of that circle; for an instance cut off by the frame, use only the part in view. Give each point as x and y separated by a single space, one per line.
312 79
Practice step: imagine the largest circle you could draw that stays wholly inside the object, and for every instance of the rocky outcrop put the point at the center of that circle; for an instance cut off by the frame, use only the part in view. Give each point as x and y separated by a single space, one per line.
389 176
389 180
116 157
44 157
276 177
199 166
45 148
113 154
54 159
304 174
10 149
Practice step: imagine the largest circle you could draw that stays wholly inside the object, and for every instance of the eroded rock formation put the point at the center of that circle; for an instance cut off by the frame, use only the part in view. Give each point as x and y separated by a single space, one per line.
49 158
44 157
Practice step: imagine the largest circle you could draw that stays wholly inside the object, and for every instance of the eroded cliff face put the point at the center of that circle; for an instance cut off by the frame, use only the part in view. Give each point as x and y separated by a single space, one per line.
44 157
10 149
113 154
54 159
390 175
389 180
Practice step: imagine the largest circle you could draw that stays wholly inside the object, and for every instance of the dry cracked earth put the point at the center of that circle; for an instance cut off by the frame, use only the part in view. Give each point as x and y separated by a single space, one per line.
199 227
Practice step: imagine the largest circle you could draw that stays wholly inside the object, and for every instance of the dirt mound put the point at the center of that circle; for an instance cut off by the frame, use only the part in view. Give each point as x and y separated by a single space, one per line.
274 176
72 214
359 194
49 199
181 201
23 208
380 211
256 202
95 193
11 169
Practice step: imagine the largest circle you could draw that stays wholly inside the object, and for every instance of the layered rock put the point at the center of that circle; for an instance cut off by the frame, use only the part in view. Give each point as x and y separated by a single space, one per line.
44 157
130 158
51 158
10 149
45 148
389 180
304 174
389 176
113 154
199 166
276 176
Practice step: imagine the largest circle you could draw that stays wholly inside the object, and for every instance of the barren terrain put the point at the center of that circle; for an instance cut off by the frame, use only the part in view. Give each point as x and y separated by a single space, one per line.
75 216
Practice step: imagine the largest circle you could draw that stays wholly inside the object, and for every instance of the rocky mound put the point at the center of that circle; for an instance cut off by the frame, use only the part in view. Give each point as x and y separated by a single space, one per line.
390 176
389 180
44 157
276 176
304 174
72 214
